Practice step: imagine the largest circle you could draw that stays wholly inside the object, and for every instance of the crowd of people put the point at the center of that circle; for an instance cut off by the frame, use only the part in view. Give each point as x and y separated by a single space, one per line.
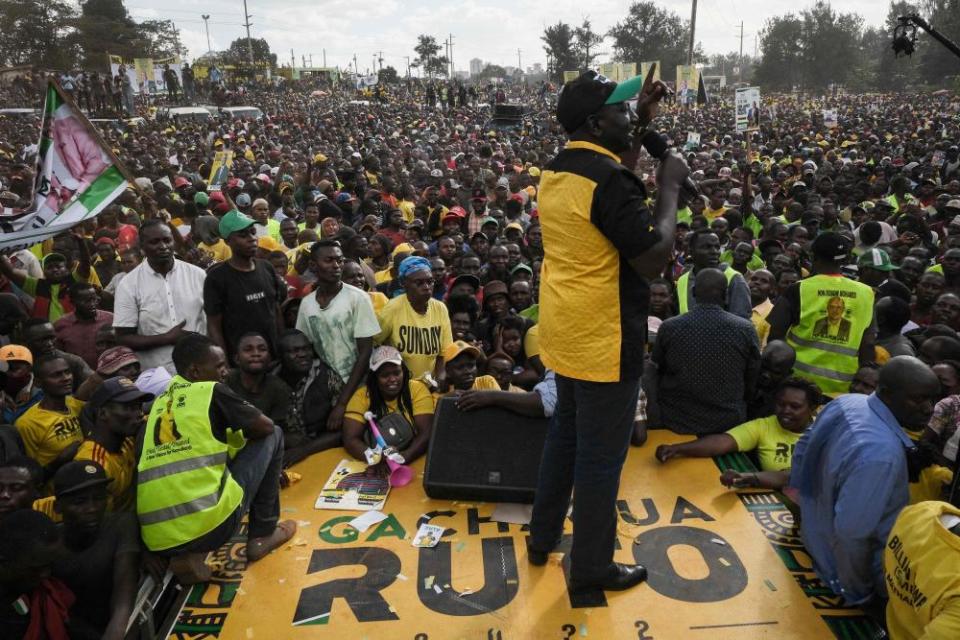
164 364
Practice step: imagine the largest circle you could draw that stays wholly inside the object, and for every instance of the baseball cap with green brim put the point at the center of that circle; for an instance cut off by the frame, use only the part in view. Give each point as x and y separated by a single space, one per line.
233 221
581 98
876 259
626 90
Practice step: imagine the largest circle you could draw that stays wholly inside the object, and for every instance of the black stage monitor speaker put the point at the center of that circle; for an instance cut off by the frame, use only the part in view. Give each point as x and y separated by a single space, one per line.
492 454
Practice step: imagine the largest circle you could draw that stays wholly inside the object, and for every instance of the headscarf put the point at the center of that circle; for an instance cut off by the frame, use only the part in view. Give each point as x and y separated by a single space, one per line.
412 265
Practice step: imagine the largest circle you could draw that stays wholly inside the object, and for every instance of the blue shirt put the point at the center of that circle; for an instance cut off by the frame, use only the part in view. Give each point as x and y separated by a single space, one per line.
850 469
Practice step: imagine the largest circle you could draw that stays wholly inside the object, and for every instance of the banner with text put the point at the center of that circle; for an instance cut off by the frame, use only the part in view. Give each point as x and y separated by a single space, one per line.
76 177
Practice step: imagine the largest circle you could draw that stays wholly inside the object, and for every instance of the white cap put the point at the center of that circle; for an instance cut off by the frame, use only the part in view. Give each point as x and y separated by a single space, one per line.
383 355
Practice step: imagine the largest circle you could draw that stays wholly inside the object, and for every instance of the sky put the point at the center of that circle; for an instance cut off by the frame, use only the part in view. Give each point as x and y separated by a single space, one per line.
492 30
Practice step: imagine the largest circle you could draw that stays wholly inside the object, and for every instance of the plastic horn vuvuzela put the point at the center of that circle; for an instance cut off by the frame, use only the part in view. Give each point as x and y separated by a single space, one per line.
400 475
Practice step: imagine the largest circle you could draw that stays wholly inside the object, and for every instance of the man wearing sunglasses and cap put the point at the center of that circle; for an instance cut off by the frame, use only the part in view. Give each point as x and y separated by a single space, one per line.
602 245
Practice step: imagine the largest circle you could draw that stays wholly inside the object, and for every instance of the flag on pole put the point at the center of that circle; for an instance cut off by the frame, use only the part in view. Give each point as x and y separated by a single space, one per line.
701 91
77 177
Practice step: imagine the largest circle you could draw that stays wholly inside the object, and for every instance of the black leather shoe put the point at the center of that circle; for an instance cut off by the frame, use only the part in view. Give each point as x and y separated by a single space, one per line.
620 578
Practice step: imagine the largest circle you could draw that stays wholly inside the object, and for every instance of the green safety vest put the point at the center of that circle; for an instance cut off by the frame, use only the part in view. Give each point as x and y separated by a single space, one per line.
184 488
828 353
685 278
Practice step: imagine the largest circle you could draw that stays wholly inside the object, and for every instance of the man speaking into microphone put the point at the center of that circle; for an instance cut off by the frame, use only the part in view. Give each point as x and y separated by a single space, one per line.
602 244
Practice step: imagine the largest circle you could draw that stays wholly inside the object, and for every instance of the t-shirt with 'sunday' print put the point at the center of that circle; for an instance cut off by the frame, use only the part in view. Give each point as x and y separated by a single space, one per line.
419 338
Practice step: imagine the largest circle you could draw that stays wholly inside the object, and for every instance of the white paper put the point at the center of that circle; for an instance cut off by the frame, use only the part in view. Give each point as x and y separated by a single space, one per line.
363 522
512 513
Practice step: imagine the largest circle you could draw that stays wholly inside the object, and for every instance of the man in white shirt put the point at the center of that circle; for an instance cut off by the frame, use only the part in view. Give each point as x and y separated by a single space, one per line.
159 300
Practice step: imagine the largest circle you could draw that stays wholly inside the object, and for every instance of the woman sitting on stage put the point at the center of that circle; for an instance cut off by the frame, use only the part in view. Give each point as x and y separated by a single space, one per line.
773 438
402 409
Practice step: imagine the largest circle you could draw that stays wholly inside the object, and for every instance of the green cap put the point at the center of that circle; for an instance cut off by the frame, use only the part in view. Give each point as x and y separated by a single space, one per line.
201 198
876 259
233 221
626 90
488 220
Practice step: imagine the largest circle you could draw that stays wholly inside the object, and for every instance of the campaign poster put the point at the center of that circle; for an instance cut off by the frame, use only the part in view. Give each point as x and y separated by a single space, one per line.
570 76
747 106
687 83
354 486
146 80
220 169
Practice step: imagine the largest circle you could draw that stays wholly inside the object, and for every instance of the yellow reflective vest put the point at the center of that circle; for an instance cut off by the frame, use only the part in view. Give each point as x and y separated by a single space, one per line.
184 488
683 286
834 313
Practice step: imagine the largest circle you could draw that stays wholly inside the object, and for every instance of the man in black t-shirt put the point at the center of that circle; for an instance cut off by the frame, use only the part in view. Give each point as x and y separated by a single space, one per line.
101 557
253 382
242 295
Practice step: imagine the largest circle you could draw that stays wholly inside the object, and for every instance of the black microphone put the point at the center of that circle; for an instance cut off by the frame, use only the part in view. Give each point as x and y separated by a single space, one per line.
656 145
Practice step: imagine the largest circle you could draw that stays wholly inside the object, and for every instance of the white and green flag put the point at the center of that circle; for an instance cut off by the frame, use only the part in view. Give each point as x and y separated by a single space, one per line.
77 177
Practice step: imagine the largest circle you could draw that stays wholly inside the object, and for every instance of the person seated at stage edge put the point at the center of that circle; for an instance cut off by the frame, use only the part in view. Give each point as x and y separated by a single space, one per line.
192 450
397 401
461 362
773 438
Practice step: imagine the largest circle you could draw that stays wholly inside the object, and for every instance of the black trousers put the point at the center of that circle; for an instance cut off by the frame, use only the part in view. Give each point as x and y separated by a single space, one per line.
585 450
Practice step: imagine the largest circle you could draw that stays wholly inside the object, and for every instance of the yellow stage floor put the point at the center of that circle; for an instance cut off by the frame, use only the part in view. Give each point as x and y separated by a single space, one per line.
722 565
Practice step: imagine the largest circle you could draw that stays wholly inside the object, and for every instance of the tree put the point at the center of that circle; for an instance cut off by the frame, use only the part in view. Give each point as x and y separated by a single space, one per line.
238 53
813 50
650 32
558 42
159 39
492 71
427 59
587 40
37 32
725 64
389 75
830 45
104 27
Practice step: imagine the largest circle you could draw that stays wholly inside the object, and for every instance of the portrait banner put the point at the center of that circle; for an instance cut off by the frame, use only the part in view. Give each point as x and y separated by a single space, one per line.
77 176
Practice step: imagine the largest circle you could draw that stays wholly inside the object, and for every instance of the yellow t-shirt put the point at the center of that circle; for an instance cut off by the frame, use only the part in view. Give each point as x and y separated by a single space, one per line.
220 251
930 484
46 433
531 341
921 566
120 468
773 443
379 301
382 276
45 506
422 403
759 320
420 339
713 214
481 383
407 208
